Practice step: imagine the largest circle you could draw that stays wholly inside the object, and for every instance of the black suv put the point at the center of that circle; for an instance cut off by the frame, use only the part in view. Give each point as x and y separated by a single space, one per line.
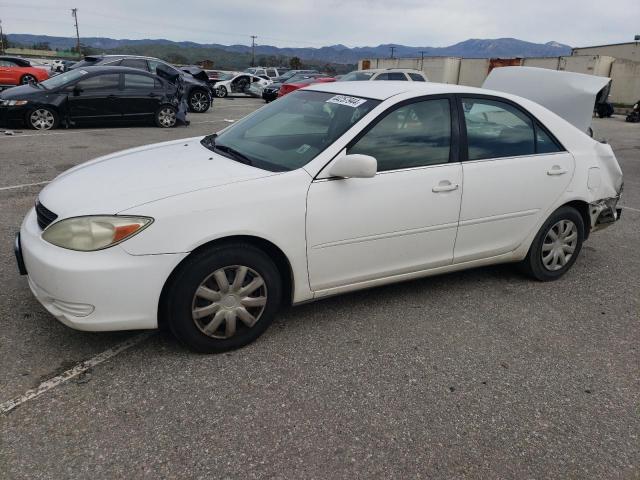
198 93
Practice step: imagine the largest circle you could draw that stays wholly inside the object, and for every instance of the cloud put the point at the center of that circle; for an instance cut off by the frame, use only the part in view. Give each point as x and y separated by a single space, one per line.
305 23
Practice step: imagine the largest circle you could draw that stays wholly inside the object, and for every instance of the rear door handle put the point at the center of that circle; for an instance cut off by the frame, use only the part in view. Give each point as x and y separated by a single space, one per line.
445 186
557 170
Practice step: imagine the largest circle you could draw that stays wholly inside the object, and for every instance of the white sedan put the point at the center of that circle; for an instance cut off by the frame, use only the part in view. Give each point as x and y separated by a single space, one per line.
333 188
234 83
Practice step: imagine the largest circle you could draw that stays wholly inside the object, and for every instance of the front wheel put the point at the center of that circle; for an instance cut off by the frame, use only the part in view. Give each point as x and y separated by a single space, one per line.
223 298
556 246
221 91
199 101
42 118
166 116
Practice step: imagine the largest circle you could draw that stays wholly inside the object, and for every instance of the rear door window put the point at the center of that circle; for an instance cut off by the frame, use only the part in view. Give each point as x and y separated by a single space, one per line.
544 142
138 82
139 63
497 129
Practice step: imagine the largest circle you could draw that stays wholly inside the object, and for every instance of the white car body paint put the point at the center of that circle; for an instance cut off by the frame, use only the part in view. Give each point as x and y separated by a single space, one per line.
228 84
570 95
337 234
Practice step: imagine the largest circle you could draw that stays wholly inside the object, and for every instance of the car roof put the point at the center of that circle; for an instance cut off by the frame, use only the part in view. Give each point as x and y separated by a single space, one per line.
388 89
379 70
116 69
117 55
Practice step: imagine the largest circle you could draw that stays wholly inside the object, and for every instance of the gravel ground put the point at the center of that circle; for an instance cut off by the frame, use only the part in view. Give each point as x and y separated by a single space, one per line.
477 374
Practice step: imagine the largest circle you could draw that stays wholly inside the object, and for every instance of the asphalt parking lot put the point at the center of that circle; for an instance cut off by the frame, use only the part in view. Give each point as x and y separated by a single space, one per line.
477 374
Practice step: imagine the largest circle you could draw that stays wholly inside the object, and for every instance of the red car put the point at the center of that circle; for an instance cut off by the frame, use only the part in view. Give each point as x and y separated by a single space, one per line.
18 71
290 87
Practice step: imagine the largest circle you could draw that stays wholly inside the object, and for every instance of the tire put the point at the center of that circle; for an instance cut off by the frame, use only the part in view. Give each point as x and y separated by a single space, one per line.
567 225
166 116
221 91
42 118
205 315
27 79
199 101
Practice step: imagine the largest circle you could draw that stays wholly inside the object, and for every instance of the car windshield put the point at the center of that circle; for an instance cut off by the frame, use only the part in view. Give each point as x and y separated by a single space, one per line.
288 134
63 79
355 76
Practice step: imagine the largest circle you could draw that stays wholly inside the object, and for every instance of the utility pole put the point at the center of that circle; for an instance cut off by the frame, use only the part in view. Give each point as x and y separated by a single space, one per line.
1 39
74 14
422 59
253 50
392 50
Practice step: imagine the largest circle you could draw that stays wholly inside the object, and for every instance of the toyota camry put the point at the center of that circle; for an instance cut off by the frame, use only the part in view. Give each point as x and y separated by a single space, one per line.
334 188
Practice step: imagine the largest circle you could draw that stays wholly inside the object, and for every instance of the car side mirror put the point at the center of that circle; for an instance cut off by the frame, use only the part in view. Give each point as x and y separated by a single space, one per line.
77 91
354 166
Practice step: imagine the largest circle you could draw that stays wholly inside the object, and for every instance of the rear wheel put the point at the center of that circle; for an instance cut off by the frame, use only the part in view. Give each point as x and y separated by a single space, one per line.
199 101
42 118
166 116
556 246
223 298
27 79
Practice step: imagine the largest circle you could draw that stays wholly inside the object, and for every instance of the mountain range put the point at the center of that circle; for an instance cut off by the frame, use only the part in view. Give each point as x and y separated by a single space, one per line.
334 54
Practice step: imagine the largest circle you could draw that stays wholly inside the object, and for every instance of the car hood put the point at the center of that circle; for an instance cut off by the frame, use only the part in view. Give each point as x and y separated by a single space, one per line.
567 94
23 91
123 180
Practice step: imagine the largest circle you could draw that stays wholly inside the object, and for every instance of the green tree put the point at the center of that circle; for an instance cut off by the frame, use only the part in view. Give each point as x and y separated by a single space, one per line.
295 63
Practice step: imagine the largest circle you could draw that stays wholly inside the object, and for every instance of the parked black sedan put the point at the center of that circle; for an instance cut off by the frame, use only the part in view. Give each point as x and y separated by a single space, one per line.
91 95
198 92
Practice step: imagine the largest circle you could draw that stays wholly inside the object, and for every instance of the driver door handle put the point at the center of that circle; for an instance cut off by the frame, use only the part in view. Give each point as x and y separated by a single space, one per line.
445 186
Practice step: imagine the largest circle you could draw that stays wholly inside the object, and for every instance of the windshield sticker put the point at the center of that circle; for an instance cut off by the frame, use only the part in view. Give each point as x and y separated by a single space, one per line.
346 100
303 148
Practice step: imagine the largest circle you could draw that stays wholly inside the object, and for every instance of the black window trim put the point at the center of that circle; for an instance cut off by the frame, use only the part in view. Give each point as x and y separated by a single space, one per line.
454 145
535 122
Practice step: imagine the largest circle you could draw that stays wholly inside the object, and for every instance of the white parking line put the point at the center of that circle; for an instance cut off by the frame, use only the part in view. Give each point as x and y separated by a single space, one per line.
24 185
82 367
66 132
631 208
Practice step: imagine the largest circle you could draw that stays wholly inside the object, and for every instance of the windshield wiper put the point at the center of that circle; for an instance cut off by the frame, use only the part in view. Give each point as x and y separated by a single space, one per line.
210 142
233 154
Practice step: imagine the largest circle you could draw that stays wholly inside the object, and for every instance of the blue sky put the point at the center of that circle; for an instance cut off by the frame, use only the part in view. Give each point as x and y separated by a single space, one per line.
306 23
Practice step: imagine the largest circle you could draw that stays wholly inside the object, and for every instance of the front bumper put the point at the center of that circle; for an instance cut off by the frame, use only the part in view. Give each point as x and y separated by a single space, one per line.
12 117
95 291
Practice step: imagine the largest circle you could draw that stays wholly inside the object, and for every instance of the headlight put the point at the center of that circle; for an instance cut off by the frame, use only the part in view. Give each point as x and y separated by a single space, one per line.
88 234
13 103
